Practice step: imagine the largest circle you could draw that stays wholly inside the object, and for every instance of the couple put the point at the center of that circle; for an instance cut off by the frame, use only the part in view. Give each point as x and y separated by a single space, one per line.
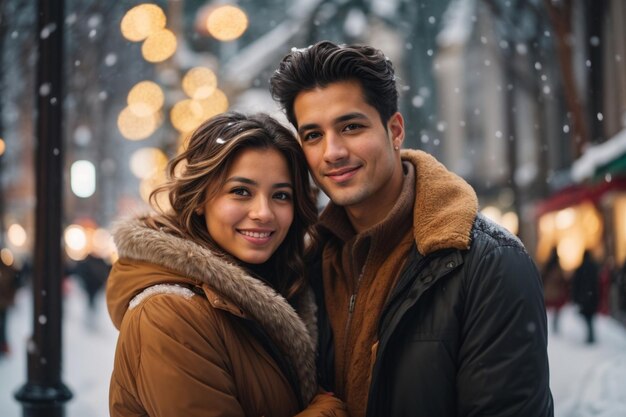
407 303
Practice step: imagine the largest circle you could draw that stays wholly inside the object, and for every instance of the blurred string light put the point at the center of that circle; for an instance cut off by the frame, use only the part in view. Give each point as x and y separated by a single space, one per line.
147 162
142 117
226 23
206 100
83 178
146 22
7 257
3 146
145 98
16 235
199 83
159 46
142 21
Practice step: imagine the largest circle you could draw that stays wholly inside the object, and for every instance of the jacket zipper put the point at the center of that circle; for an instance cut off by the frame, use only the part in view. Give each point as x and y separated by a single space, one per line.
352 302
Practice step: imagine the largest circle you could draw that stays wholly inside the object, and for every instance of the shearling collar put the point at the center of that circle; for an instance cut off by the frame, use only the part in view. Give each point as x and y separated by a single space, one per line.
295 335
445 205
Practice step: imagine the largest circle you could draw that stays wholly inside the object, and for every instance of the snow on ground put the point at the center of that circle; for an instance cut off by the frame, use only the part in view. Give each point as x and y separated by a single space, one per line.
586 381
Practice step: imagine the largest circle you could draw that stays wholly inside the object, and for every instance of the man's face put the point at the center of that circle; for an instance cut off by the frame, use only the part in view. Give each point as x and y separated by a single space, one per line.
349 151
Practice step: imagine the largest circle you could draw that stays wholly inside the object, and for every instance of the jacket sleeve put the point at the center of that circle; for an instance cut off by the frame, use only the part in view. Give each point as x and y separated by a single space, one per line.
179 367
503 369
324 404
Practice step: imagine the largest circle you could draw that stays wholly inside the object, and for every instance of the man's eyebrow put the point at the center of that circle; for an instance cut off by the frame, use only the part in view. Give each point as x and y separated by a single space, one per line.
343 118
252 182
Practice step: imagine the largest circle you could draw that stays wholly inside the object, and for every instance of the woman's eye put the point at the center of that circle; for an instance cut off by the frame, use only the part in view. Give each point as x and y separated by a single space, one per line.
240 191
311 136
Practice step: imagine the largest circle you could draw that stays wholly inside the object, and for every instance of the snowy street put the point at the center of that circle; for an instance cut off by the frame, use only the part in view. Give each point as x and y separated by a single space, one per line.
586 380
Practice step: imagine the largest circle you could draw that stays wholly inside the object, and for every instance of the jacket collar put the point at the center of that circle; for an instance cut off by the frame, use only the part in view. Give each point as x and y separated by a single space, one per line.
295 334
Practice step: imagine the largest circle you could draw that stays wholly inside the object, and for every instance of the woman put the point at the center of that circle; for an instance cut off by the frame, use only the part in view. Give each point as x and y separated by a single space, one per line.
205 294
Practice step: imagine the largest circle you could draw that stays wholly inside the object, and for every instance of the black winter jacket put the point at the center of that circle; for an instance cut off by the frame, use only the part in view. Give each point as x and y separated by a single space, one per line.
463 334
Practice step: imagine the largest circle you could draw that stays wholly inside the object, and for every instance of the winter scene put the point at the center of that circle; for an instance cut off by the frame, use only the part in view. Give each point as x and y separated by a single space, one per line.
313 208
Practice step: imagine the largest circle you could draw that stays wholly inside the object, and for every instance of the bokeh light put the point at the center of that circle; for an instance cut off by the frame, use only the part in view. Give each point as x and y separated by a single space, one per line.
186 115
217 103
83 178
7 257
16 235
145 98
226 23
199 83
147 162
142 21
76 243
3 146
159 46
134 127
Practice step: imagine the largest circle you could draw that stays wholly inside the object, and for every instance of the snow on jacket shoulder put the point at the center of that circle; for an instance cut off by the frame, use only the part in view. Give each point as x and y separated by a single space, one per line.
199 337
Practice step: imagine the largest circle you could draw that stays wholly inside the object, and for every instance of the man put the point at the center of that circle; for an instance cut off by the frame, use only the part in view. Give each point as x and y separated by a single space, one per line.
426 307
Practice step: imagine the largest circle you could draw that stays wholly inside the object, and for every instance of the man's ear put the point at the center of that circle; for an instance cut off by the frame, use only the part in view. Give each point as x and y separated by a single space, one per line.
395 125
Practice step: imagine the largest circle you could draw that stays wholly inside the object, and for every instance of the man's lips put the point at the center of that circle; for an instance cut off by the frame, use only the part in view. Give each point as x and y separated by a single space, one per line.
341 175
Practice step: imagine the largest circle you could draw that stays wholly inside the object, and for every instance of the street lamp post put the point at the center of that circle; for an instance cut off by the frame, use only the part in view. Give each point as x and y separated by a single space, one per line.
44 394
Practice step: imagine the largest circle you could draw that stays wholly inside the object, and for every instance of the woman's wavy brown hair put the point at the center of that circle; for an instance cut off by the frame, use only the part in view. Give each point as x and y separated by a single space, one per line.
197 174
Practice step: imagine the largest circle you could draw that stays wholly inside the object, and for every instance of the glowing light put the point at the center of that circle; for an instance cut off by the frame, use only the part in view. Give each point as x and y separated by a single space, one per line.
83 178
199 83
148 185
145 98
102 243
226 23
159 46
75 237
3 146
217 103
147 162
134 127
16 235
492 213
7 257
142 21
186 115
565 218
510 221
570 250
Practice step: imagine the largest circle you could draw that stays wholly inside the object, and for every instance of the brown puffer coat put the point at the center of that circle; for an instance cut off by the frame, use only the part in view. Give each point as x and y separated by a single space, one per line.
200 337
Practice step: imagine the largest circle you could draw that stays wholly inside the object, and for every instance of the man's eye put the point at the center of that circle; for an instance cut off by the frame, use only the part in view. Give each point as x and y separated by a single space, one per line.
283 196
353 126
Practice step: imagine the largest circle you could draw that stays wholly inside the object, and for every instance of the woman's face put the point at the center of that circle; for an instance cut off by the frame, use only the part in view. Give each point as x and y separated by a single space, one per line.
250 215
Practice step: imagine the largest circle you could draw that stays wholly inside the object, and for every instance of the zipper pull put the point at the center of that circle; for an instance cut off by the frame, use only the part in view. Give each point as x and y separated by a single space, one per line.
352 303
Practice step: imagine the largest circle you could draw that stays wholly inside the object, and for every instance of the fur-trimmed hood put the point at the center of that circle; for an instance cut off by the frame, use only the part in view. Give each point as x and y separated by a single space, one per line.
173 260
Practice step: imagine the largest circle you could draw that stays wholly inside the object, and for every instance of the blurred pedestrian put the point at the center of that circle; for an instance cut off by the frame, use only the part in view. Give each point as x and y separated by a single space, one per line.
9 283
92 273
555 287
585 291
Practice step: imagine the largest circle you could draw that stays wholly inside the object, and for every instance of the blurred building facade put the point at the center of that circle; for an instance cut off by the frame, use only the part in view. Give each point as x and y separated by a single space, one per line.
512 95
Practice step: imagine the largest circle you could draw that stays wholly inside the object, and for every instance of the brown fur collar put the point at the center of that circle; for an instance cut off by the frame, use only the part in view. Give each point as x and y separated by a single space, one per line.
445 205
295 335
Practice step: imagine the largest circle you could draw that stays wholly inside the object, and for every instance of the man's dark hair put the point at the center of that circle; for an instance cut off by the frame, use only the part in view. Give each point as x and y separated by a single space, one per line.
324 63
